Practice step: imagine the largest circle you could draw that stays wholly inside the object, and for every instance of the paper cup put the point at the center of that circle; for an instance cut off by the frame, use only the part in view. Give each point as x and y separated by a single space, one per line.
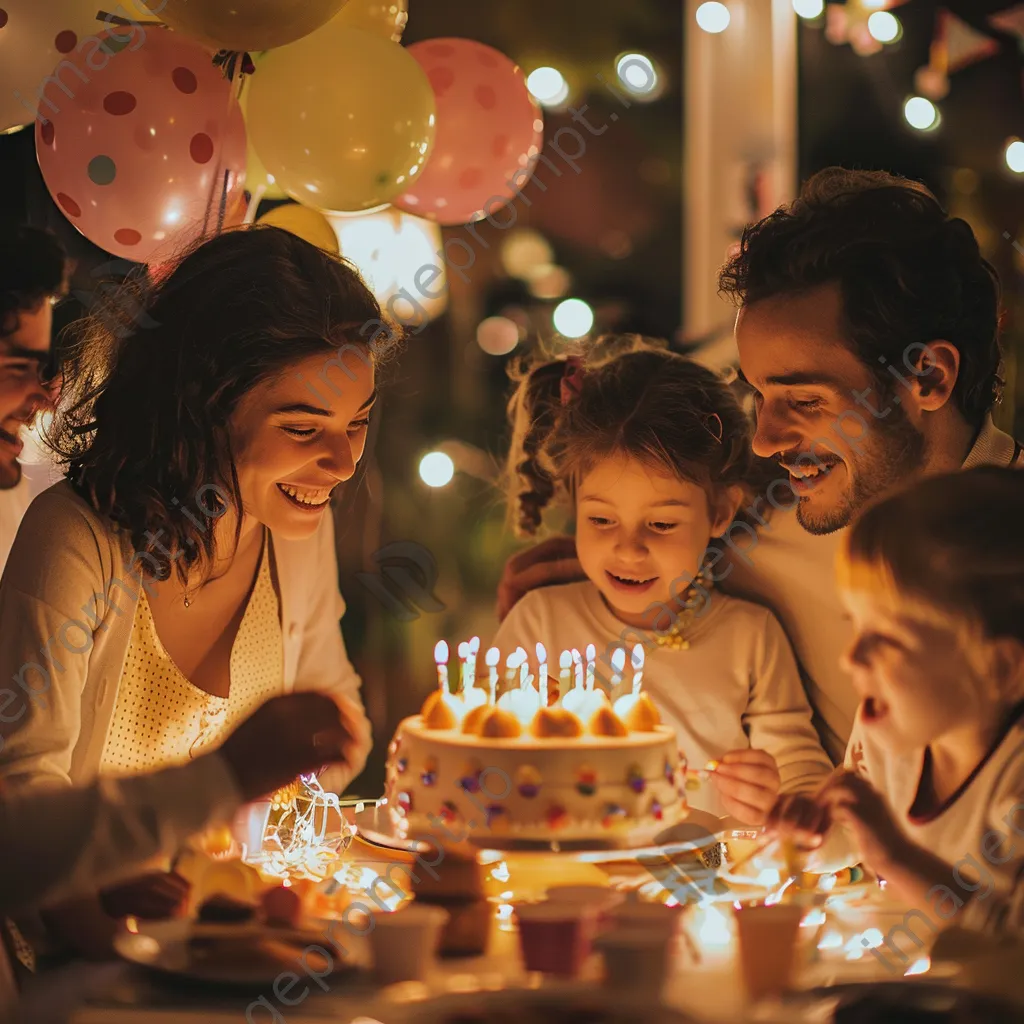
555 937
603 902
405 942
768 945
634 960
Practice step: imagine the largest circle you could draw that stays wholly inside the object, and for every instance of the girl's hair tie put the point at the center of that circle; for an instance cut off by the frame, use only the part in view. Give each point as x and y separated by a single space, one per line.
572 380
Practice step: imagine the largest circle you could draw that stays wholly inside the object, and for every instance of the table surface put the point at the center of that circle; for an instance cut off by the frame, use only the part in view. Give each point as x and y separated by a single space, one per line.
121 994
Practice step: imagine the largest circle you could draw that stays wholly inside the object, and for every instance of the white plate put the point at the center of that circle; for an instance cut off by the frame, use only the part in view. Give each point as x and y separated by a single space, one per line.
164 946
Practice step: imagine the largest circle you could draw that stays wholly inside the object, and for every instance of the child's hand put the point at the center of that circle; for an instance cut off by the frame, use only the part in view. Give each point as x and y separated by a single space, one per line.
804 819
748 781
152 897
854 803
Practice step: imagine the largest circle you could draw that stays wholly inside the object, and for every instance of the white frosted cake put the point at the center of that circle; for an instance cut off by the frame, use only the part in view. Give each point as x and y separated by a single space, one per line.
526 768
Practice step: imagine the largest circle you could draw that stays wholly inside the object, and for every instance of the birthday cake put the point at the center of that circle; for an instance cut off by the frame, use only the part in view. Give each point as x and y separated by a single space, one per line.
534 763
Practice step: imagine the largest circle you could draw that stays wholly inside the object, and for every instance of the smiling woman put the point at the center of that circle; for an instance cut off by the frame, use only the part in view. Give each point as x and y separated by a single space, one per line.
200 475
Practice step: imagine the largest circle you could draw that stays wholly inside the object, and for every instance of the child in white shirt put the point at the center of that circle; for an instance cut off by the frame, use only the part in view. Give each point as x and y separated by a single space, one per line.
932 797
652 453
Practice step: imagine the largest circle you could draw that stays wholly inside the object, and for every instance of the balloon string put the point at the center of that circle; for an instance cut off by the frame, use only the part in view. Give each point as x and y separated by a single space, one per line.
231 60
218 199
117 19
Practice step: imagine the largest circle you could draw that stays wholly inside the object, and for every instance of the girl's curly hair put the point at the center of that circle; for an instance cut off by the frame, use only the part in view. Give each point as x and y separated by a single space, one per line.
632 397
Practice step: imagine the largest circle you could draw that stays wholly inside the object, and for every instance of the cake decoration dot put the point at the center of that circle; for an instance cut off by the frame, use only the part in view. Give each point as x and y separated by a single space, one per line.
497 817
635 779
656 810
528 781
404 802
586 781
469 782
449 812
429 774
556 817
613 814
670 772
401 765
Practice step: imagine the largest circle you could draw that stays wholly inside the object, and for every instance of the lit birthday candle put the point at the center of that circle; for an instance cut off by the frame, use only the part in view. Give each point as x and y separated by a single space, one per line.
511 669
564 673
591 665
524 667
523 701
492 657
441 660
638 668
577 662
463 666
618 665
471 694
474 650
542 674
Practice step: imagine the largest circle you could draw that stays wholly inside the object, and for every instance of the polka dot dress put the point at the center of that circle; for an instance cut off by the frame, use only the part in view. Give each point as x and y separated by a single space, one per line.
162 719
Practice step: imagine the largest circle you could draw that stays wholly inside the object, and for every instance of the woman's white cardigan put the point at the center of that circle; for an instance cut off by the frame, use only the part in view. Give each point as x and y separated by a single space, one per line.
68 598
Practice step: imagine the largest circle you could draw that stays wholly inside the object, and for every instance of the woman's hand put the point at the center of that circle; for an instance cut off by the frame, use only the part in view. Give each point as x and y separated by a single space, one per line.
291 735
153 897
748 782
853 802
551 561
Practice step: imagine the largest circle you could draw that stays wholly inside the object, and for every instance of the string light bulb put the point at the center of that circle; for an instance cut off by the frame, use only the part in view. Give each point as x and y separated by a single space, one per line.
713 17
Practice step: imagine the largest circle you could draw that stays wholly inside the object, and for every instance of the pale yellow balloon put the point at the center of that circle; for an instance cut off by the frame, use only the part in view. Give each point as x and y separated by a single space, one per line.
343 119
382 17
258 181
248 25
304 222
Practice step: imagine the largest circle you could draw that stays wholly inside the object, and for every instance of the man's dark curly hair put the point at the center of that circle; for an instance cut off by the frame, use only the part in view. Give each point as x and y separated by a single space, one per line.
32 268
909 274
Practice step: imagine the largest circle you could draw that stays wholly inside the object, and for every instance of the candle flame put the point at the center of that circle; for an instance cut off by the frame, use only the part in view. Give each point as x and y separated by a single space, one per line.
619 660
542 654
921 966
474 645
463 650
591 652
440 652
638 656
565 660
492 657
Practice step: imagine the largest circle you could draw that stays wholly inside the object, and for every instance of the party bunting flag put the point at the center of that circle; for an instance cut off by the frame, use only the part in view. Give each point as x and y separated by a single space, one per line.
964 45
1011 21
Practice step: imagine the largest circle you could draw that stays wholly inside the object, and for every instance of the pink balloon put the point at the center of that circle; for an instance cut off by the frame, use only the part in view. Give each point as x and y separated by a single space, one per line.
489 133
138 157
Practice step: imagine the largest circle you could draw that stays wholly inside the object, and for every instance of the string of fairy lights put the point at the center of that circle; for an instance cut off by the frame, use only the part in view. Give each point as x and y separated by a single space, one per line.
870 26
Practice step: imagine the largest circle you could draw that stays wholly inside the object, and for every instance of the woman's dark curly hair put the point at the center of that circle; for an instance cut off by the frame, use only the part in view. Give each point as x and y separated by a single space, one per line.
909 274
144 423
634 398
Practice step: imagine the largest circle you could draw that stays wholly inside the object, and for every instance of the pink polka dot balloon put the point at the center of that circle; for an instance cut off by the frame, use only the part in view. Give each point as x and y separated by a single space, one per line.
35 35
489 133
149 152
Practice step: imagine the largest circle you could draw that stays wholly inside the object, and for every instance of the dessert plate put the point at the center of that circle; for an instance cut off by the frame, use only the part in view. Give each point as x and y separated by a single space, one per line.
228 954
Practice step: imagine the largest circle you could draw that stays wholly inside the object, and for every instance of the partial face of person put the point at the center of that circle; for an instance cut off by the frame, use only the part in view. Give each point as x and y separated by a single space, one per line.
23 353
819 411
294 444
914 678
640 535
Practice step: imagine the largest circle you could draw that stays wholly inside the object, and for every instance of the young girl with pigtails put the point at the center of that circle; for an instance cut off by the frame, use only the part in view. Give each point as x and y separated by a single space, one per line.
651 454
